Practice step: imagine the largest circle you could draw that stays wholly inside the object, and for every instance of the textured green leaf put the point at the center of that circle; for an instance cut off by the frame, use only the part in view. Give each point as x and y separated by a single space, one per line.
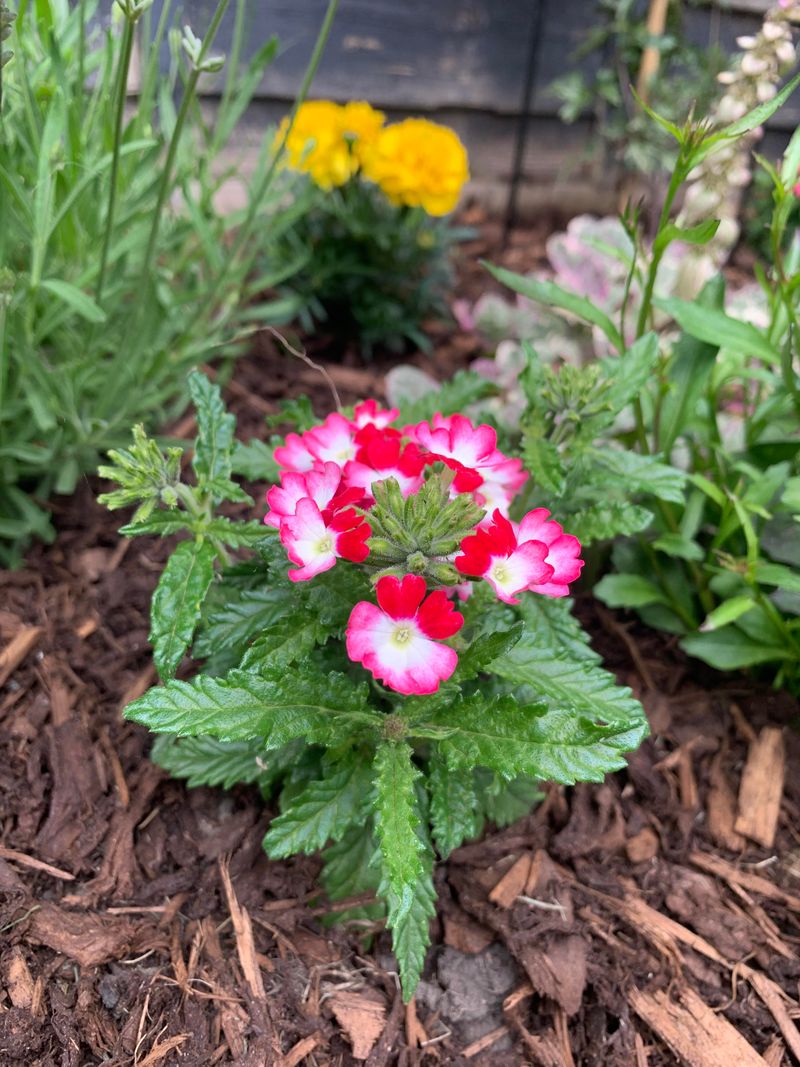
410 923
455 817
163 523
641 474
485 647
396 808
553 295
514 737
679 547
324 810
542 460
463 389
350 869
550 624
571 686
205 761
234 534
176 603
246 613
255 461
215 429
599 522
276 708
629 373
504 802
284 643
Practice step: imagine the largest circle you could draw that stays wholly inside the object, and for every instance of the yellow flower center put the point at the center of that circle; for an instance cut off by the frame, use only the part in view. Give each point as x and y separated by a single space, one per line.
500 573
325 545
402 634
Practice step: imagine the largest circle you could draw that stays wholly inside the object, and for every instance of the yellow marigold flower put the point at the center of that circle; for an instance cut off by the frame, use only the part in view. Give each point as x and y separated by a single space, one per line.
361 124
418 163
317 145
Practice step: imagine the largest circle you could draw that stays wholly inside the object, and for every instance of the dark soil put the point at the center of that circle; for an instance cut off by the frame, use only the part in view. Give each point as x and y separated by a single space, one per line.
143 925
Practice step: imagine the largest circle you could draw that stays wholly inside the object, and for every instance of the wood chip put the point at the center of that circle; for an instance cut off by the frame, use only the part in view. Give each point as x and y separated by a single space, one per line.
300 1051
484 1042
761 787
362 1017
16 650
162 1049
20 986
721 807
243 931
513 882
698 1036
416 1036
37 865
774 1053
643 846
466 935
642 1059
756 883
517 996
771 995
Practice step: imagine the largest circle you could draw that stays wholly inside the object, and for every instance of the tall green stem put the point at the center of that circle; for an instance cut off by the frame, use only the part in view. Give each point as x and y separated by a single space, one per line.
121 90
263 186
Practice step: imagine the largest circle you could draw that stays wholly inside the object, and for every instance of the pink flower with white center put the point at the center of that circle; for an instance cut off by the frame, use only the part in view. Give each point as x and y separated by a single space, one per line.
502 480
293 455
319 485
398 639
314 542
369 414
455 437
563 552
381 455
332 441
508 564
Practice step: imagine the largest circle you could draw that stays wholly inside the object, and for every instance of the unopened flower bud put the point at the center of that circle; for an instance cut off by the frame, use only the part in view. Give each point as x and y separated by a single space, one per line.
746 42
765 91
445 573
752 66
785 52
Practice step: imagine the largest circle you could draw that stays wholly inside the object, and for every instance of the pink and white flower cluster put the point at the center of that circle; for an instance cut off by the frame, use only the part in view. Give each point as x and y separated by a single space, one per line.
321 509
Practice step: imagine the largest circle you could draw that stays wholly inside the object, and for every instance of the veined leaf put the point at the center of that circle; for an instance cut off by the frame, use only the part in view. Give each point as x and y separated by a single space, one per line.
504 802
543 461
398 819
325 809
485 647
630 372
628 591
241 706
553 295
177 600
564 744
245 613
455 817
598 522
205 761
463 389
286 642
642 474
215 428
713 326
550 623
350 869
410 923
255 461
730 649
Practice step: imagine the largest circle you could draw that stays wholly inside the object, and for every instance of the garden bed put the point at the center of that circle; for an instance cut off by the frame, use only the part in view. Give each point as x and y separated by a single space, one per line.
143 923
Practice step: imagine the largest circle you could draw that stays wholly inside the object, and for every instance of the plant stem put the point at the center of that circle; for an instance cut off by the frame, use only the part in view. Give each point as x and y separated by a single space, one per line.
119 104
262 188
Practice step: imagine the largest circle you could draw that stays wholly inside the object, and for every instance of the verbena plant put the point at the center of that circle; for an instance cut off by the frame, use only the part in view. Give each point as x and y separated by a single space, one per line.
705 420
117 270
415 671
378 223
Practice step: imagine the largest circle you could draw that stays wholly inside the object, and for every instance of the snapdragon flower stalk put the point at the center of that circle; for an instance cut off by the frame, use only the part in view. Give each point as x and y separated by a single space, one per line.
716 187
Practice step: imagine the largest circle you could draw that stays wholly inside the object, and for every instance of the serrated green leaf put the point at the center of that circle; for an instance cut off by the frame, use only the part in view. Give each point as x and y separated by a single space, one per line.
410 925
284 643
215 429
234 534
552 295
485 647
463 389
177 602
245 613
205 761
630 372
628 591
641 474
599 522
397 818
550 623
542 460
323 811
255 461
455 817
275 708
564 744
163 523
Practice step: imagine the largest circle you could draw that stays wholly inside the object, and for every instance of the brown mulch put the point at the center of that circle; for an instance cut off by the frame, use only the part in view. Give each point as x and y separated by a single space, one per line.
652 920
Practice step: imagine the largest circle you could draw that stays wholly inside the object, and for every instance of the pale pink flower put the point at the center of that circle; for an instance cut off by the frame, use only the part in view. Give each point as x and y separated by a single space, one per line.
563 552
509 564
293 454
315 541
368 413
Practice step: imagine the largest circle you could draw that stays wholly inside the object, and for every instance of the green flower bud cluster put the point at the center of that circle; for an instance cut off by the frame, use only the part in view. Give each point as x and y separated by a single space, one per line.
417 534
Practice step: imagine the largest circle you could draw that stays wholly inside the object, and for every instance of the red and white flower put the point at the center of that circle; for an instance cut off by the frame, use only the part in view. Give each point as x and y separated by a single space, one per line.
369 414
322 486
508 564
293 455
333 440
563 552
382 454
454 437
398 639
314 541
